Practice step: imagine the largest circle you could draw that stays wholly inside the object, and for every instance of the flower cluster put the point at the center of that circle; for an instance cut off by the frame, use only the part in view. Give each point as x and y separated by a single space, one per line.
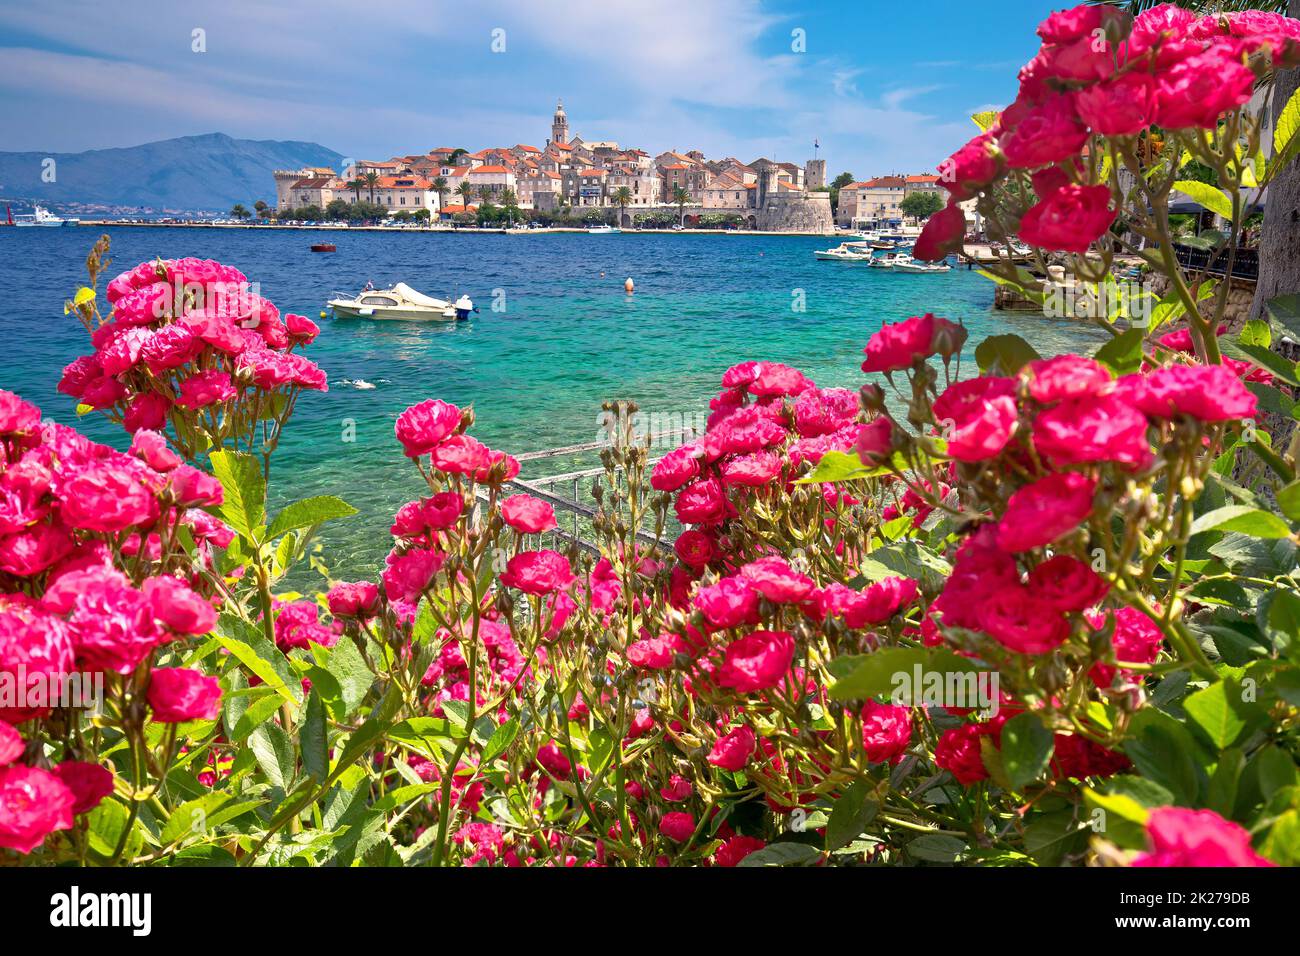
191 346
93 585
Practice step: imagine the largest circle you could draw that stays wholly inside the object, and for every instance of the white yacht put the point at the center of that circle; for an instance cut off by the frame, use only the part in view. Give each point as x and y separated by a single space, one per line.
400 302
43 217
921 268
603 230
859 252
891 260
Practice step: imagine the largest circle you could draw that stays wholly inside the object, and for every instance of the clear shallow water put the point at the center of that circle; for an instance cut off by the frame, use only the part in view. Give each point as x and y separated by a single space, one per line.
536 373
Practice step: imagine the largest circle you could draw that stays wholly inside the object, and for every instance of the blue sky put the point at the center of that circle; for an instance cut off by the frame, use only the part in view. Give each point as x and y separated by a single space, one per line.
885 86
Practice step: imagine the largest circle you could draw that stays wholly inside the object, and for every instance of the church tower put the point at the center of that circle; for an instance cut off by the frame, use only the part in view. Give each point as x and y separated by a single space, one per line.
560 124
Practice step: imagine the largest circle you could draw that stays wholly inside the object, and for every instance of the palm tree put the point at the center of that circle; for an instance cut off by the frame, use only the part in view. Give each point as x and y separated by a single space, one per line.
441 188
355 186
466 190
622 196
680 198
239 212
371 179
510 202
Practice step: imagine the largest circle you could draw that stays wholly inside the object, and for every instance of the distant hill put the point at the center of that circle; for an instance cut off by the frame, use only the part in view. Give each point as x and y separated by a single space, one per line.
209 172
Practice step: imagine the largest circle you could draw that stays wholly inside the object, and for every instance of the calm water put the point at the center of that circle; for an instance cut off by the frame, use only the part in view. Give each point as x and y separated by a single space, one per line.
536 372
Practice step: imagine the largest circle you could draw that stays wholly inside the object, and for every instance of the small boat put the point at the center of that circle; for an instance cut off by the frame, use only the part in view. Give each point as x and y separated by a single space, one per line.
323 247
845 252
400 302
41 216
922 268
603 230
891 260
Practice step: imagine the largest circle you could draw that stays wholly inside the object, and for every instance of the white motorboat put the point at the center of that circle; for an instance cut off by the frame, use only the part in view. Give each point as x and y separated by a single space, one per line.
400 302
846 252
891 260
603 230
41 216
922 268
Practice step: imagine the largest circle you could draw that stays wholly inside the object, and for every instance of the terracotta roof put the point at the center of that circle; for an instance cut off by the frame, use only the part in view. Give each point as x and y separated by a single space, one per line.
460 170
490 169
592 172
885 182
403 182
676 166
925 178
562 146
319 182
458 208
527 149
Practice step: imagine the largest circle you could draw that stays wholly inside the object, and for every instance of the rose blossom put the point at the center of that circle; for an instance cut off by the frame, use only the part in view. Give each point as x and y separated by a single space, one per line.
958 752
757 661
1182 837
731 602
677 826
12 744
89 782
1197 91
1047 133
1070 219
1020 621
538 572
675 469
1039 513
178 694
777 581
733 750
528 515
886 731
942 235
1093 429
1209 393
694 548
1122 106
104 498
206 388
359 600
897 345
33 804
736 848
423 427
978 416
1067 584
1065 377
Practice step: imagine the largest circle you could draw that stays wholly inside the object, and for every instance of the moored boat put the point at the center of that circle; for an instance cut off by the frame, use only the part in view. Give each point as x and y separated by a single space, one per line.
922 268
323 247
400 302
890 260
846 252
41 216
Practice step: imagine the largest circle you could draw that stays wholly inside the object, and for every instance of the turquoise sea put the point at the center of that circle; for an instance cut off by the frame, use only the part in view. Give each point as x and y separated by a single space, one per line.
563 336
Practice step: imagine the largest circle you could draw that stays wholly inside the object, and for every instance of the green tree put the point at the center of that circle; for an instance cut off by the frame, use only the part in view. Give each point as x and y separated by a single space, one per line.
372 178
466 190
509 205
441 188
337 209
680 198
838 183
239 212
622 196
355 186
261 208
921 205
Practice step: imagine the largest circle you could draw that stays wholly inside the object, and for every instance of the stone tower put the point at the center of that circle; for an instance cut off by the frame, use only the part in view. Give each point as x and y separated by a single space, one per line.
560 124
815 173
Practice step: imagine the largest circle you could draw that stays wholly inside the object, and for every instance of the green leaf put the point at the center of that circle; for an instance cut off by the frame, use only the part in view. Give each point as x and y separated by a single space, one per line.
1049 838
260 656
500 741
1004 354
1206 195
191 817
937 848
837 466
851 814
244 491
395 798
896 668
256 714
1026 749
783 854
308 513
1288 499
313 738
1242 519
1256 332
1123 354
1219 712
1163 752
274 752
1288 126
352 673
1285 311
985 119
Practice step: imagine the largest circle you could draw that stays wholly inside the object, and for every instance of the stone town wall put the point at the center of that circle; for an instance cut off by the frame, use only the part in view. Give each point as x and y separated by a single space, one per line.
802 213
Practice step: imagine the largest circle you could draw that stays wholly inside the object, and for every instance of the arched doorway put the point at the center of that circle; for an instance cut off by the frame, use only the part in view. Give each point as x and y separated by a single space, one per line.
625 221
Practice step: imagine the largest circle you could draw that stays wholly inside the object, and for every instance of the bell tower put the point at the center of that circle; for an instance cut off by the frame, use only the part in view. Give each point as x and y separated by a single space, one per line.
559 124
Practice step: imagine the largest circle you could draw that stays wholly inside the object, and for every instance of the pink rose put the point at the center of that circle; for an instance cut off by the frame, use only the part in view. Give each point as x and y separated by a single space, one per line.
1041 512
33 804
1065 377
206 388
736 848
875 441
360 600
1070 219
757 661
178 694
731 602
89 782
1210 393
1093 429
943 234
104 498
1067 584
1135 640
460 455
1122 106
702 502
1020 621
777 581
151 448
17 417
656 653
896 346
146 410
886 731
423 427
677 826
733 750
36 642
971 169
1182 837
694 548
1197 91
538 572
12 745
1045 134
178 607
977 416
675 469
407 575
192 488
528 515
301 329
958 752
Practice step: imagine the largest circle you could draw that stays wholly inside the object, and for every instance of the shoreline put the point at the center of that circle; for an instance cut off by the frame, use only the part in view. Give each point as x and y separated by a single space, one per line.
572 230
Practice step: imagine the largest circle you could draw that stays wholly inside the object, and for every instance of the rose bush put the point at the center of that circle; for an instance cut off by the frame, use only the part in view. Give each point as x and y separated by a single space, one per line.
1040 612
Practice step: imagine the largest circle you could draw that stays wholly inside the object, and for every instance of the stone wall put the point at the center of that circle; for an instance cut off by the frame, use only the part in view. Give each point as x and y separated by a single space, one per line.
1241 295
810 212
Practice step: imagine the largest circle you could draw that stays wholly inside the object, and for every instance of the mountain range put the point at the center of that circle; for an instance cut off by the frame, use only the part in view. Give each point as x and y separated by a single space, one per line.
210 172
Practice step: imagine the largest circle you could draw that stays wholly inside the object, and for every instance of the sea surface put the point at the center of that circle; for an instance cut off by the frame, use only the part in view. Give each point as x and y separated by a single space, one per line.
556 336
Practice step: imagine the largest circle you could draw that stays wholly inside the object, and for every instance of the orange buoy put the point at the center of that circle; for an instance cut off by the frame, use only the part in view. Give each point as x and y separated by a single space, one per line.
629 286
